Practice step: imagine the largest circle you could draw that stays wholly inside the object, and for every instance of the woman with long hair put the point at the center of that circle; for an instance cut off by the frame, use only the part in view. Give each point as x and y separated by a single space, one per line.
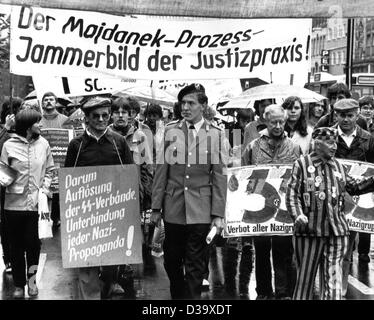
296 125
30 155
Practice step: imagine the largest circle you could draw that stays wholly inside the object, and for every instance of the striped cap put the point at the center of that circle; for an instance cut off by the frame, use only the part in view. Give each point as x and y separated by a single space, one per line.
325 134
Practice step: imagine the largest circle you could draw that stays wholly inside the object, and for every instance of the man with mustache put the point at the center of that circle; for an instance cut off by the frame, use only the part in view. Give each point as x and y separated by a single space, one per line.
51 117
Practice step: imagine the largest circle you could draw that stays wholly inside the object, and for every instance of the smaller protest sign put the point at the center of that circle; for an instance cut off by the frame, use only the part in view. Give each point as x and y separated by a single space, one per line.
359 209
100 219
58 140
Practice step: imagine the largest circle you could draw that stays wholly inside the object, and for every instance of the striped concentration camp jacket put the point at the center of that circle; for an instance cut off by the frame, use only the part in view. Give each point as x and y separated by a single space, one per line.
317 190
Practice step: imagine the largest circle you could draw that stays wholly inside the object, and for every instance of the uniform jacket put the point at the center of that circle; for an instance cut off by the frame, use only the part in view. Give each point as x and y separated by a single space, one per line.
189 191
34 163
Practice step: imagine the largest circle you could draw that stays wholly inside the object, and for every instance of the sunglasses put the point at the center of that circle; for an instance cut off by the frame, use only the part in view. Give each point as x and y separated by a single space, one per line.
97 116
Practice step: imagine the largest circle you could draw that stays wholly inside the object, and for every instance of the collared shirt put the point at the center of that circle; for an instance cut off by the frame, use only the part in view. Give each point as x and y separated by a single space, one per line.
317 190
347 138
95 137
197 126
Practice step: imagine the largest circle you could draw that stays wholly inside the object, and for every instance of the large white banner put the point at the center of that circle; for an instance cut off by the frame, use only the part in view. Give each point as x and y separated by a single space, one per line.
72 43
256 202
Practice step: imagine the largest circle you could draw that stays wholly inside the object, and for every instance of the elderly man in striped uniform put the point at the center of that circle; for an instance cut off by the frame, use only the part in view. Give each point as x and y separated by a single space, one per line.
315 200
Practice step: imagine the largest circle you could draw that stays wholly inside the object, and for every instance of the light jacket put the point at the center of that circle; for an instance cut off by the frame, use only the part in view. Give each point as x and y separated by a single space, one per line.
259 151
34 163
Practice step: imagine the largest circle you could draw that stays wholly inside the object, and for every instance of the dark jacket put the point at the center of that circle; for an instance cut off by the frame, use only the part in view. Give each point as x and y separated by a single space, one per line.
86 151
361 148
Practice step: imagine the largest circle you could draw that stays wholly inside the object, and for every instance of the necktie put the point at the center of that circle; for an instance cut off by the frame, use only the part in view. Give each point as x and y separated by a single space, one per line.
191 135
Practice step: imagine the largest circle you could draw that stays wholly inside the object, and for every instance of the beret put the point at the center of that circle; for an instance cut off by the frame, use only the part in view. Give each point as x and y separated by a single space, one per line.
325 134
345 105
96 102
192 88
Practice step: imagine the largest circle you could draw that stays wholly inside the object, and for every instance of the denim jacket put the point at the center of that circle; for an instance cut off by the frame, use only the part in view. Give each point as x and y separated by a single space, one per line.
34 164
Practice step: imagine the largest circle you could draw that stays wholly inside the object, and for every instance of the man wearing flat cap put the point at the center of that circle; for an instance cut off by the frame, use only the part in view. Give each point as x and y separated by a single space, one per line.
97 146
336 92
189 192
353 143
315 199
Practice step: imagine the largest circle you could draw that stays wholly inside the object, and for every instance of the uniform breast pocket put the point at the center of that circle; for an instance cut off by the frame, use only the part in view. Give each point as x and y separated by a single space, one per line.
15 188
175 154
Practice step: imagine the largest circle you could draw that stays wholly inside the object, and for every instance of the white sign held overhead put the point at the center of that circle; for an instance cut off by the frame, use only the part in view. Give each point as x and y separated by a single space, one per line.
78 86
72 43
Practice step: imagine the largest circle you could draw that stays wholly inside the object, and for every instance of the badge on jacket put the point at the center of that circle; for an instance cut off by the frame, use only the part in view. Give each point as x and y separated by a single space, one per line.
306 197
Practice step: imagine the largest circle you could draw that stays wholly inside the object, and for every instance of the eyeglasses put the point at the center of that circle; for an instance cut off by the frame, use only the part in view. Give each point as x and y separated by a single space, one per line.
97 116
117 112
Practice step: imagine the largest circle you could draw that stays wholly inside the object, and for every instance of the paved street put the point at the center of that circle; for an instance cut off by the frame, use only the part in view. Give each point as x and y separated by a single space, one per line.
56 283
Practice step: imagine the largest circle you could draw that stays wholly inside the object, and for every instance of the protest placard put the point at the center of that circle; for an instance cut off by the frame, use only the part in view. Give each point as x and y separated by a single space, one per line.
58 140
82 86
359 210
100 220
74 42
256 200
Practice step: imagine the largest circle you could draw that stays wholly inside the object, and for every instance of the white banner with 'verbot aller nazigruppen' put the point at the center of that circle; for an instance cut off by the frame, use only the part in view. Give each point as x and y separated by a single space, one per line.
256 200
70 43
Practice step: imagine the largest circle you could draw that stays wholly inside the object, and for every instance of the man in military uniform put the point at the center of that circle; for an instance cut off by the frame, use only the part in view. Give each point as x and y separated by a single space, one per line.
315 200
189 193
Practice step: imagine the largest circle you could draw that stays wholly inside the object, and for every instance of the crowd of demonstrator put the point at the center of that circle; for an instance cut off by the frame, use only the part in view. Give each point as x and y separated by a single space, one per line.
189 195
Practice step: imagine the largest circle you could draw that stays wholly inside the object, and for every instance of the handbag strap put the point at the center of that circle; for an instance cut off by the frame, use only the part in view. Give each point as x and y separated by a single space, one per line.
79 150
115 146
